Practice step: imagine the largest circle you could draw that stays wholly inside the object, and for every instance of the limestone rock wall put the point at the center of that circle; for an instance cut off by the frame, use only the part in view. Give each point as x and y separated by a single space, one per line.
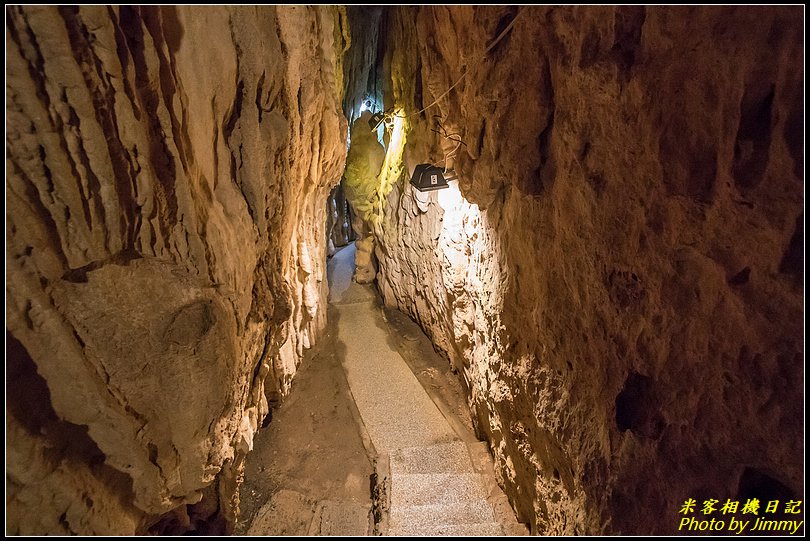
166 176
619 276
362 65
360 184
339 230
363 96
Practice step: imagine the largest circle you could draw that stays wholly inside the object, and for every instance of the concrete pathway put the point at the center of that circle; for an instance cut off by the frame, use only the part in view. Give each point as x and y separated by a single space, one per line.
434 487
395 408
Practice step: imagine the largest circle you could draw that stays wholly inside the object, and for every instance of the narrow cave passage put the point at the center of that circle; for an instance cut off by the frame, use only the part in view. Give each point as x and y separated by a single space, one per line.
413 433
404 270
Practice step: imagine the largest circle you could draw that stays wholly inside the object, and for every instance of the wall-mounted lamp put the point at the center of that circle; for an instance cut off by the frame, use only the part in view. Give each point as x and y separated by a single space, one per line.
427 177
375 120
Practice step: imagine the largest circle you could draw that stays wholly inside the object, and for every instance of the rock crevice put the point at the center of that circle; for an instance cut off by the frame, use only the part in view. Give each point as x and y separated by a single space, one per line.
165 248
616 276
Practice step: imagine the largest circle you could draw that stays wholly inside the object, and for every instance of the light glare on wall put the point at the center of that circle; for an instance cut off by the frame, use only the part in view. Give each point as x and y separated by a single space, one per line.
450 198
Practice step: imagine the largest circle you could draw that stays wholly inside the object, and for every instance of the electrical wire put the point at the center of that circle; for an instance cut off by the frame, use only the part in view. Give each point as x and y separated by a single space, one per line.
483 55
455 137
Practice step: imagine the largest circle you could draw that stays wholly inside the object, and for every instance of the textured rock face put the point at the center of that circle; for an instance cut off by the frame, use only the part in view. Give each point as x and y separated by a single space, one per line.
338 220
363 76
166 176
619 278
363 164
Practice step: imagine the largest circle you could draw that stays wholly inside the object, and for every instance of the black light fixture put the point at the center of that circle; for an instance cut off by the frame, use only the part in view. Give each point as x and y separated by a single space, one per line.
427 177
375 120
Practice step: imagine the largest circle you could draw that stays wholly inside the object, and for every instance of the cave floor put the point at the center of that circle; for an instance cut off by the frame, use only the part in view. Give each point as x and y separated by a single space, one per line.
373 386
310 464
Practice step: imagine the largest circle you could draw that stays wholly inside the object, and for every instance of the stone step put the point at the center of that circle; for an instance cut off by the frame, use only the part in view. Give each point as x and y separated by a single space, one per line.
338 518
436 488
451 457
481 529
436 515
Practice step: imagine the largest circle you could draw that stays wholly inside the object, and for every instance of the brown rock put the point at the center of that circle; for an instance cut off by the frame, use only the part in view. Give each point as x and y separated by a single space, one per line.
167 172
618 279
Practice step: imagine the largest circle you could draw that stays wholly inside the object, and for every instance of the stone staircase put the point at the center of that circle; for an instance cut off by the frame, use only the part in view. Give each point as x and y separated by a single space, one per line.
431 476
436 490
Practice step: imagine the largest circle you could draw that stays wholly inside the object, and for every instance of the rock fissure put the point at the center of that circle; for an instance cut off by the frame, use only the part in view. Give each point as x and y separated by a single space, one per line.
610 288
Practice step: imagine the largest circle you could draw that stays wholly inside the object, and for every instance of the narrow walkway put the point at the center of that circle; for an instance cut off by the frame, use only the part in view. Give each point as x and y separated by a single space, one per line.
435 488
309 470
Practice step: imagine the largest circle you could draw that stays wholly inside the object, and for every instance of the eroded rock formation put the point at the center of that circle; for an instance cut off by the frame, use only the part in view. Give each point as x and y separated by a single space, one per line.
619 278
166 176
360 183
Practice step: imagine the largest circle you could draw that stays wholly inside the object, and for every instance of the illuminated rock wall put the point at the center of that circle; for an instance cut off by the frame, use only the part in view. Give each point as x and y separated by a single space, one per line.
167 170
619 280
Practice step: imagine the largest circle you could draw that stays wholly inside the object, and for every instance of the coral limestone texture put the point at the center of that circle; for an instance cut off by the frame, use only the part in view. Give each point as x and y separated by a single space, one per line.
166 176
618 274
360 183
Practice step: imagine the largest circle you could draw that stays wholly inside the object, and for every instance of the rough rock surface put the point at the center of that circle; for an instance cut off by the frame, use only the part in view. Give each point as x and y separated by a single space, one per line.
619 279
166 176
360 183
